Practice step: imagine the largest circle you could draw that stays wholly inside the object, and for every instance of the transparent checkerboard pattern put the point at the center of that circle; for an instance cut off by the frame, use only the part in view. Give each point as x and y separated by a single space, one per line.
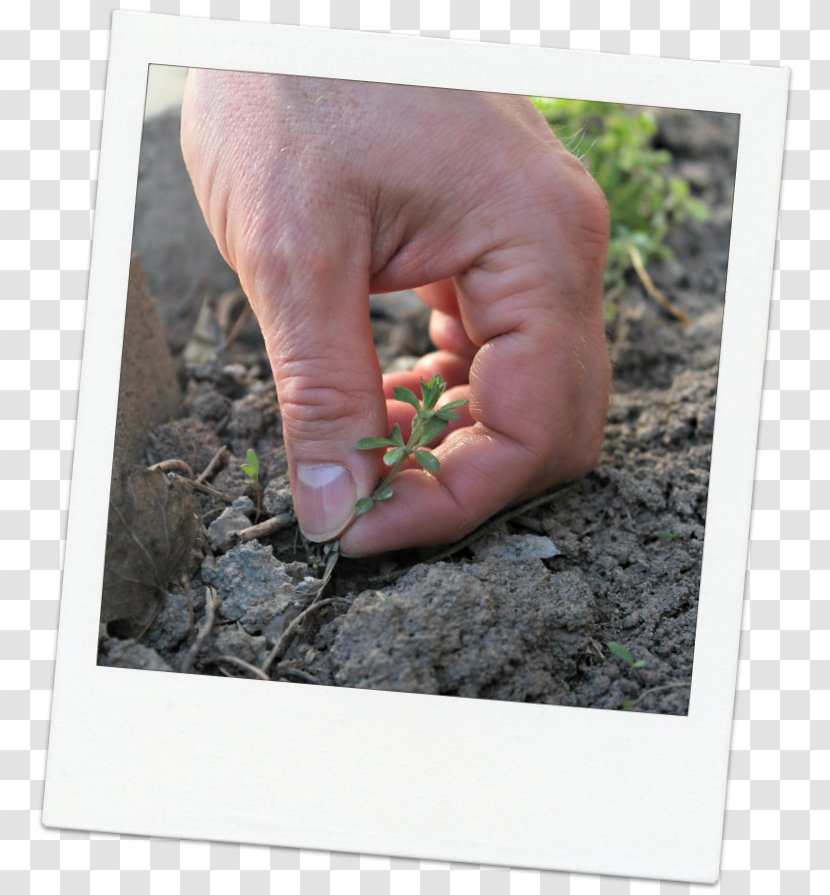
53 60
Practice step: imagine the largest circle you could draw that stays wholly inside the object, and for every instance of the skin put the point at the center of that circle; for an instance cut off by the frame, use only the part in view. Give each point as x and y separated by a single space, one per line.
319 192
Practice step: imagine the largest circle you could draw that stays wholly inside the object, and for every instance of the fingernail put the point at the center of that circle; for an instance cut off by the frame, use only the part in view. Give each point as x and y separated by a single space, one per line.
324 499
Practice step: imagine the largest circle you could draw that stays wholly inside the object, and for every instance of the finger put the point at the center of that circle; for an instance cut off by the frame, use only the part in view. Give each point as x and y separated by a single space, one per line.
447 331
453 368
440 296
314 315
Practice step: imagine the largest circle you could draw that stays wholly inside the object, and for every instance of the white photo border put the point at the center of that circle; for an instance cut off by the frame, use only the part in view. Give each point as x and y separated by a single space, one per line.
584 790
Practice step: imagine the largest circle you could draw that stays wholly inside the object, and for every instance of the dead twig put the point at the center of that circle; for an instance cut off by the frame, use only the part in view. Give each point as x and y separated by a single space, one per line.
188 595
652 290
211 605
225 305
215 462
172 466
237 328
268 527
206 489
331 562
245 666
302 676
281 646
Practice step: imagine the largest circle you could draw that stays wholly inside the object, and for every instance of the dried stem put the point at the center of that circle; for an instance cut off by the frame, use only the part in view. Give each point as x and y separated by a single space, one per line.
172 466
281 647
245 666
215 462
211 605
652 290
268 527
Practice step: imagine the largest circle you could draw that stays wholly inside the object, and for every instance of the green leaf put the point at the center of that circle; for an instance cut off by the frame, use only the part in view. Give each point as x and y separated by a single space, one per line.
406 395
391 457
383 493
446 415
453 405
431 391
428 461
432 428
621 652
363 506
396 436
251 468
666 535
640 663
369 444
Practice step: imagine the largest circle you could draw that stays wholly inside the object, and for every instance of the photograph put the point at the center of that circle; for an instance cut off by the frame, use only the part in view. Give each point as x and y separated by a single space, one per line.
418 406
418 389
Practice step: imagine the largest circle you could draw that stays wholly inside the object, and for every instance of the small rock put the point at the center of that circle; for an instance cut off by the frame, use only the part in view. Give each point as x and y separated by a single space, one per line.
172 624
253 585
232 640
223 531
244 505
129 654
515 548
276 498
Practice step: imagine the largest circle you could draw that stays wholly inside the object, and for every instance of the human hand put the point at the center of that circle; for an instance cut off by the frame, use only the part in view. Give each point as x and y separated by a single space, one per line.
319 192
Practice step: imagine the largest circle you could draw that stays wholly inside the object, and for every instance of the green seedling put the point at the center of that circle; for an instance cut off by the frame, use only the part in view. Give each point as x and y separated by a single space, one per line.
251 469
427 424
646 202
667 535
622 653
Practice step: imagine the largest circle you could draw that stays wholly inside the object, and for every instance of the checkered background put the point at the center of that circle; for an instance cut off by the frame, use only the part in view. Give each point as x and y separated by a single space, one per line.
53 60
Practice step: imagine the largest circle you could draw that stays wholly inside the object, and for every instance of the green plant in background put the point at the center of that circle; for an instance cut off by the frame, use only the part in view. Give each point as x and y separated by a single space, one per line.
251 469
427 424
622 653
645 202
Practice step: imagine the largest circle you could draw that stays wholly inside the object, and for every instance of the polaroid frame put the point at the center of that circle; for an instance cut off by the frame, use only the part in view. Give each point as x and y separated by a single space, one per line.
351 770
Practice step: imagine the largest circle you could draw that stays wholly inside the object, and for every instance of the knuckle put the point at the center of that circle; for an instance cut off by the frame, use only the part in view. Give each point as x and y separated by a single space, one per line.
317 402
567 186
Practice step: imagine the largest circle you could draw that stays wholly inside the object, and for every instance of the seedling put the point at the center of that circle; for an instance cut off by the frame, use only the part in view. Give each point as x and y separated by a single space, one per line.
667 535
622 653
427 424
251 469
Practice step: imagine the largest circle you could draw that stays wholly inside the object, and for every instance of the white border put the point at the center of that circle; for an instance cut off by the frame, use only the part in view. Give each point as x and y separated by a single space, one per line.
485 782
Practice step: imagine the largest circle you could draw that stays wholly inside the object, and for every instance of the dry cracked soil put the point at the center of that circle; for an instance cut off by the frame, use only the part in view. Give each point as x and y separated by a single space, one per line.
524 612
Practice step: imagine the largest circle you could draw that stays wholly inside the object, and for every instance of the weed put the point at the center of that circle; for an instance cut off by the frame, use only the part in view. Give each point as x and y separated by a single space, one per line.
666 535
622 653
615 144
251 469
427 424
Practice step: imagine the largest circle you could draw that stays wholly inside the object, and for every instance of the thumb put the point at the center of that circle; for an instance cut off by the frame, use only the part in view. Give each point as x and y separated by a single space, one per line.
314 315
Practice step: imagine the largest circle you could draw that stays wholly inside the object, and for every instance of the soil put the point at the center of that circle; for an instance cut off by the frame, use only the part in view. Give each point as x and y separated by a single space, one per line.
523 612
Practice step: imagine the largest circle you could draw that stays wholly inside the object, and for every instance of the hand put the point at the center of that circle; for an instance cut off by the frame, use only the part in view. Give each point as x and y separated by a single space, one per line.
319 192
